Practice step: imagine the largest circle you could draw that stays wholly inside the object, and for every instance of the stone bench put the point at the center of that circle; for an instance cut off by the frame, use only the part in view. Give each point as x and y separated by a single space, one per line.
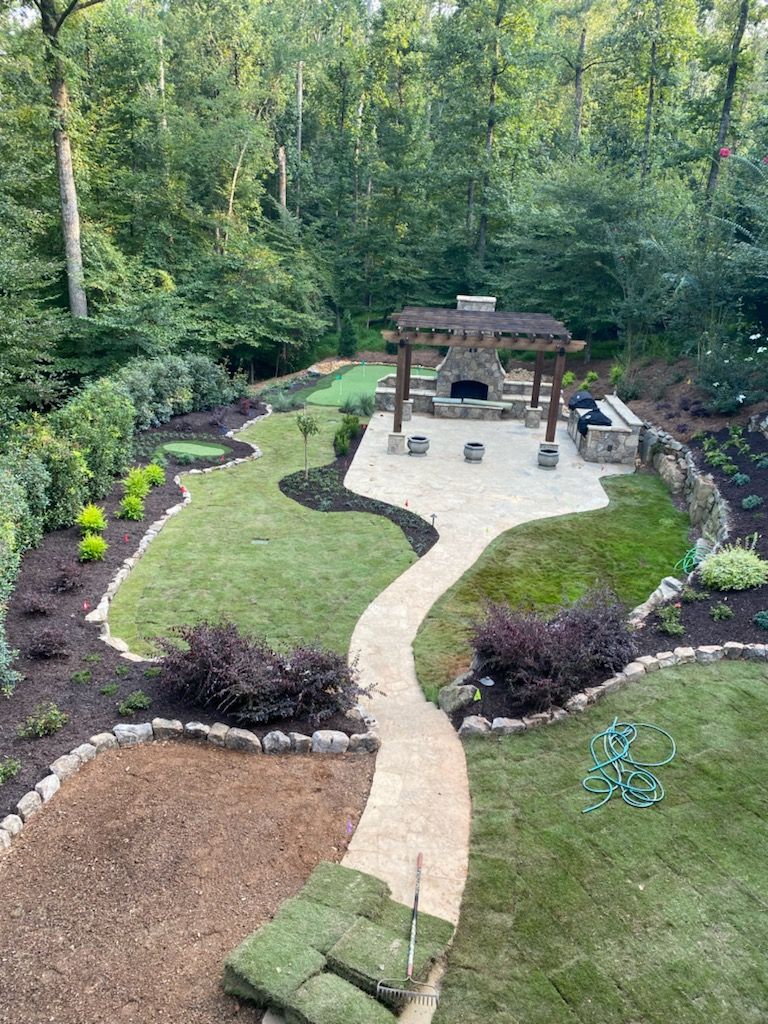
467 409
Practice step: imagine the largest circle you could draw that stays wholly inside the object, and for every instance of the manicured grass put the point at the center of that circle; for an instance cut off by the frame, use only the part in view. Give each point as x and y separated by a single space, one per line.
652 916
312 580
355 381
629 546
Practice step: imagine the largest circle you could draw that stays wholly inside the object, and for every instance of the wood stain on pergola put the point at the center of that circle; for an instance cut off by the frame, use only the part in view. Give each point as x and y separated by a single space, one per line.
474 328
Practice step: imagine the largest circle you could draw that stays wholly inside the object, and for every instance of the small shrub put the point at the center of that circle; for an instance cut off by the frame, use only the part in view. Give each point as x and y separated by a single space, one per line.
69 578
154 475
589 379
49 643
720 611
91 519
92 659
184 459
92 548
122 670
136 483
545 661
762 462
752 501
44 721
131 507
568 378
110 689
688 595
282 401
135 701
221 667
734 567
9 769
669 620
349 429
760 619
36 604
740 479
152 672
82 676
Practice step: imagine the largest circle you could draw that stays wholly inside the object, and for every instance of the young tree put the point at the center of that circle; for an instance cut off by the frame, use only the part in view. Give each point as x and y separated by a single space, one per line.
308 425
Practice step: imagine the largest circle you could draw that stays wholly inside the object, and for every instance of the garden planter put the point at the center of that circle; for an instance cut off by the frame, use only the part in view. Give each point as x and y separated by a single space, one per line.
418 444
548 455
474 451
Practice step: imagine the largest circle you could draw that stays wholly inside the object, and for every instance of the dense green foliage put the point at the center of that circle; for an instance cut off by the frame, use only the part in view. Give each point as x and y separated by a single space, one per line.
601 161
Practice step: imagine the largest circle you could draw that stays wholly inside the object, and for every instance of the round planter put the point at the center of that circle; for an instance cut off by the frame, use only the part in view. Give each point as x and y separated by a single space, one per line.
548 455
474 451
418 444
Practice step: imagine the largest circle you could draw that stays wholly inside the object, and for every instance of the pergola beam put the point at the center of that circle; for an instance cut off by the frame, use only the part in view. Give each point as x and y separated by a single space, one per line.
518 343
554 398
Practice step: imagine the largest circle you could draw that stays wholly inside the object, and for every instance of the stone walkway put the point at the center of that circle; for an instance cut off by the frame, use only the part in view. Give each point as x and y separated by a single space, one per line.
419 800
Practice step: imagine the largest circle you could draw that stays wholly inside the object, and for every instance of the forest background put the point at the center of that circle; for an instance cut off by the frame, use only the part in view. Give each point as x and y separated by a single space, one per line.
235 177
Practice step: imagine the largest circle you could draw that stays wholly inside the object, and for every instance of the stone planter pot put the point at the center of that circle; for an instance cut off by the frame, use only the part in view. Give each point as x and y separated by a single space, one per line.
548 455
418 444
474 451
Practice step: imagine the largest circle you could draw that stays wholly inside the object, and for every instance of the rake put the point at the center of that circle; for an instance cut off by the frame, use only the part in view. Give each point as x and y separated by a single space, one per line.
406 990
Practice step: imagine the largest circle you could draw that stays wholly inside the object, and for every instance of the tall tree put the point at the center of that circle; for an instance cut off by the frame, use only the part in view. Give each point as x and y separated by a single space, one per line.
52 21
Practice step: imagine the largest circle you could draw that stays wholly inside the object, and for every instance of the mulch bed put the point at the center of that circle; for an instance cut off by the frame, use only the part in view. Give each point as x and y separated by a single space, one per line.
324 491
121 900
700 627
50 680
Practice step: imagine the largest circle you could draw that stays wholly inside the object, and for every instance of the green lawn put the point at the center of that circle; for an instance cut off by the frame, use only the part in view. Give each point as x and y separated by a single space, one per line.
352 382
622 916
313 579
629 545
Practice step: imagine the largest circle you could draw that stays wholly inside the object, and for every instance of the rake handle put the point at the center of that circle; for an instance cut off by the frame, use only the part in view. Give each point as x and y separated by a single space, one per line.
414 917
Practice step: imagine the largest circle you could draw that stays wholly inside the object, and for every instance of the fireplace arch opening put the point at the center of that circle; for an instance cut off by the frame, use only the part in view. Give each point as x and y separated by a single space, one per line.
469 389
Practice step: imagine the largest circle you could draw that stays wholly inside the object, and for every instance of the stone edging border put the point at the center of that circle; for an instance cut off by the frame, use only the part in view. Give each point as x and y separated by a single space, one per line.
323 741
477 725
100 613
707 509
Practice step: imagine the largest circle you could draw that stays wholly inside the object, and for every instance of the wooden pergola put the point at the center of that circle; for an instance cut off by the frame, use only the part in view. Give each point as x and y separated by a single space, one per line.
467 328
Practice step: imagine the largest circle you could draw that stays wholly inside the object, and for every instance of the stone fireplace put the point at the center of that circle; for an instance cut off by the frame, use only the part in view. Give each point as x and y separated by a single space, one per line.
472 373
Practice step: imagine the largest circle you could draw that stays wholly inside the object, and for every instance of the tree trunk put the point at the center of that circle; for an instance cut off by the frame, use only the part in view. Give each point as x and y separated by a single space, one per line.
646 157
299 131
730 86
232 187
282 174
70 215
489 133
578 107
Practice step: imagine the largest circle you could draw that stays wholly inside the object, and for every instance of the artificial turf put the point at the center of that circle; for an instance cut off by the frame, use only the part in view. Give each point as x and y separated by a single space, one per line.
312 579
628 546
621 916
354 381
200 449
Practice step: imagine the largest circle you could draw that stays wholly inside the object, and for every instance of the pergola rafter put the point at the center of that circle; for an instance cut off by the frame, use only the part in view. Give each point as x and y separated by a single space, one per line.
471 328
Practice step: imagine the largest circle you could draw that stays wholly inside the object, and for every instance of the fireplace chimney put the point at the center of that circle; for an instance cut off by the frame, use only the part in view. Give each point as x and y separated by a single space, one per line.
479 303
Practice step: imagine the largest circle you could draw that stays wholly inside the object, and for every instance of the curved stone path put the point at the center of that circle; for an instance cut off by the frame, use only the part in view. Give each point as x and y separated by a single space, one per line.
419 800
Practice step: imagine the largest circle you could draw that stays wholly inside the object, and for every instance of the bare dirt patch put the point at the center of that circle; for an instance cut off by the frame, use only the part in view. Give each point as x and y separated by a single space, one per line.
123 897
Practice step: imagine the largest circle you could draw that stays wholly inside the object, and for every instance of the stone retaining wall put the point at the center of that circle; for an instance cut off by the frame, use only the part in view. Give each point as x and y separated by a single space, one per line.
101 611
476 725
323 741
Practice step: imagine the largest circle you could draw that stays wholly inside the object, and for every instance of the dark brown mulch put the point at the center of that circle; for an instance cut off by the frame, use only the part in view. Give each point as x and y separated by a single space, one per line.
700 627
50 679
324 491
122 900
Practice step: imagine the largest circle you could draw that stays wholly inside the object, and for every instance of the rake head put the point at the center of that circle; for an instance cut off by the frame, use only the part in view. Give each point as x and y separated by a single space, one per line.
396 993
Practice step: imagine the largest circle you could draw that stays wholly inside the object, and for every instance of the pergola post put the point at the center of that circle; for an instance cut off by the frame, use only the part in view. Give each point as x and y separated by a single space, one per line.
408 356
537 374
402 356
554 398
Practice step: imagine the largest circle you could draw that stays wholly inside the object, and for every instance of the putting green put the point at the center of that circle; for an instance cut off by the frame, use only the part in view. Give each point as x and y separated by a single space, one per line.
200 449
353 382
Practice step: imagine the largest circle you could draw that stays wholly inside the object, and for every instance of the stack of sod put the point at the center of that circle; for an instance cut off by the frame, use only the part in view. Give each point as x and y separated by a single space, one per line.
319 960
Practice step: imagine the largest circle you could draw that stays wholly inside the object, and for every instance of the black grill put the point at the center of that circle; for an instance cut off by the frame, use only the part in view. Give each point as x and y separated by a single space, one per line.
582 400
593 418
